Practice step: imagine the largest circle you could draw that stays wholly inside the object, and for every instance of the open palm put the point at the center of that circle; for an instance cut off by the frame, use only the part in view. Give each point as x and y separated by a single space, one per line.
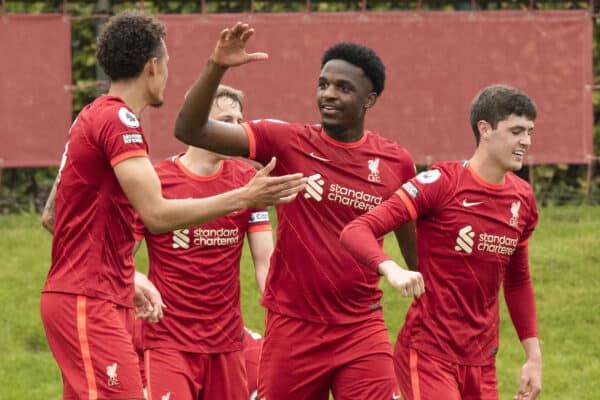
231 46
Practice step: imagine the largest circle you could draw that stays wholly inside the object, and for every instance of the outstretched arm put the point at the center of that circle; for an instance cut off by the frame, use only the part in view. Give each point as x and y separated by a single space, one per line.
192 125
142 187
360 239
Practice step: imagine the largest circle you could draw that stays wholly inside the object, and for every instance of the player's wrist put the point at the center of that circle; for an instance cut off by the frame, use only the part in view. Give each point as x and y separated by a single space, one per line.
213 62
385 266
241 198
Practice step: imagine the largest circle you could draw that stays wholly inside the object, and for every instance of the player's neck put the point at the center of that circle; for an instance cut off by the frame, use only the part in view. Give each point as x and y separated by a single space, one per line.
344 135
487 169
201 162
130 93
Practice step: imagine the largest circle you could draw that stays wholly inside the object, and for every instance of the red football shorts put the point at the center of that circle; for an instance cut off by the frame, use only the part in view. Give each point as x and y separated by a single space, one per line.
425 377
304 360
172 374
252 351
91 342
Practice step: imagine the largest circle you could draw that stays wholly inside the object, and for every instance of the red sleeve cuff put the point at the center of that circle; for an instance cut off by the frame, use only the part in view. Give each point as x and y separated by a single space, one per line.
251 140
128 154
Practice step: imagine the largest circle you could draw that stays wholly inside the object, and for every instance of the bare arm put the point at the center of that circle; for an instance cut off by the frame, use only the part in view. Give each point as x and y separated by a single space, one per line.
48 213
142 187
192 125
261 247
407 240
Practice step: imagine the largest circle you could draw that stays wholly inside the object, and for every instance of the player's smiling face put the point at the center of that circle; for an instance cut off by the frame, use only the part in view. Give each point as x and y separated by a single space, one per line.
509 142
343 95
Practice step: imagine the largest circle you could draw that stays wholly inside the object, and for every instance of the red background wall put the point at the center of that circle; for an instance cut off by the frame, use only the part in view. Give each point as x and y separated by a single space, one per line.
35 102
436 62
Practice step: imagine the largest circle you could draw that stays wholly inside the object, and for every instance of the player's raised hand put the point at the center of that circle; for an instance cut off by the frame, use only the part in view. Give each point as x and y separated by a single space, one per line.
231 47
264 190
408 283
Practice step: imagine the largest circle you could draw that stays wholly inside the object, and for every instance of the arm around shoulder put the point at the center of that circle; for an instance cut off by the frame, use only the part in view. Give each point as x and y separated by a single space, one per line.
142 187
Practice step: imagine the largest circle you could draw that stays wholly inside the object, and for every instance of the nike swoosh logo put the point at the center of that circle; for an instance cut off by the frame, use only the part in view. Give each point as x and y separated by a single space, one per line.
466 203
313 155
396 396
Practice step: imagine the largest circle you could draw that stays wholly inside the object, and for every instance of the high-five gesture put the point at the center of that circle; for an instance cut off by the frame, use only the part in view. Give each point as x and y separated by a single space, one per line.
230 50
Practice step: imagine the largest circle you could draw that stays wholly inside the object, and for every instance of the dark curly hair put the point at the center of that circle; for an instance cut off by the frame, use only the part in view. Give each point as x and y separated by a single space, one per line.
127 41
496 103
361 56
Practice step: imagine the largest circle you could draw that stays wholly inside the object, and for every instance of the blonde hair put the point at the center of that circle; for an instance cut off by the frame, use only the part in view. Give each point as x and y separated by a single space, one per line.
230 93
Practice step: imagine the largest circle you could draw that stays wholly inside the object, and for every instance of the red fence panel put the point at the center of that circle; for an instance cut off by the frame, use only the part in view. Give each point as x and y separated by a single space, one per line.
436 62
35 102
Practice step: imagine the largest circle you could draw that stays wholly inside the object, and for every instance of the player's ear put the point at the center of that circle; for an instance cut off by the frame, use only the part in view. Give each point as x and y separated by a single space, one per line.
152 65
484 128
371 100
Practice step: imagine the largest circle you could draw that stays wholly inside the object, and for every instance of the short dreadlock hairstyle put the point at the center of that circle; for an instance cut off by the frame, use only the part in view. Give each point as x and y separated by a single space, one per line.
127 41
362 57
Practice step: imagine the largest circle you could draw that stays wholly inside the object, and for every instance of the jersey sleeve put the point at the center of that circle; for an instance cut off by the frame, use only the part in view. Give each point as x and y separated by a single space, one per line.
360 237
121 136
518 287
426 192
266 138
519 294
532 220
407 169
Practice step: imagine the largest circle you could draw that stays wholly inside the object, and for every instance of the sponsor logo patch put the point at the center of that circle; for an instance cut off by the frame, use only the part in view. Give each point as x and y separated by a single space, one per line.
129 138
358 199
430 176
411 189
314 187
128 118
467 241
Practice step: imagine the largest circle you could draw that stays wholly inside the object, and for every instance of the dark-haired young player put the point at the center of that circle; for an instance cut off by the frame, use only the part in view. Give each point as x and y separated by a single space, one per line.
474 219
325 328
86 303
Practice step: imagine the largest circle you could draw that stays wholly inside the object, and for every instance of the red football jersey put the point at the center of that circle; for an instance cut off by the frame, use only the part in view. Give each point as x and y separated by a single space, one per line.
472 236
311 276
92 242
197 269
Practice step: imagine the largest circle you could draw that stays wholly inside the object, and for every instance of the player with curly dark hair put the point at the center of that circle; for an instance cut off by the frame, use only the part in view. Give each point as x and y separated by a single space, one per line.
127 42
325 329
361 56
86 303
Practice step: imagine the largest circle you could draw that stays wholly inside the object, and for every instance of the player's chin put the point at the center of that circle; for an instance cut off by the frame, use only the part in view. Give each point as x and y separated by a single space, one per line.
331 124
515 165
157 103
